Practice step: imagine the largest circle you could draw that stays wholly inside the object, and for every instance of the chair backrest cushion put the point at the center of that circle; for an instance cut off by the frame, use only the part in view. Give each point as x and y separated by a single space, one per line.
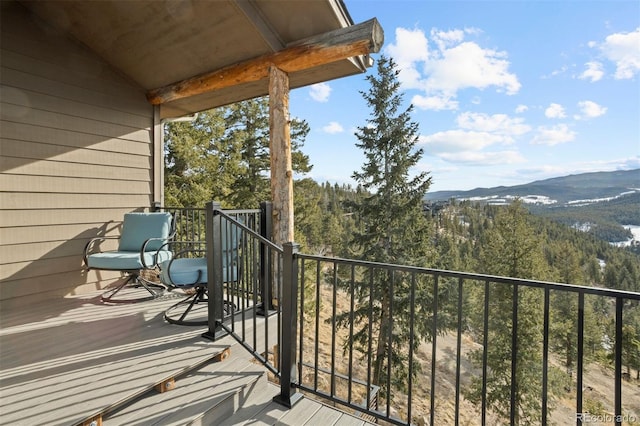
139 227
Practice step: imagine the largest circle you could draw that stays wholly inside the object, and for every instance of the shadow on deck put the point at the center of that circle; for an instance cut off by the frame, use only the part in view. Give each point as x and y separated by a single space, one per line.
91 361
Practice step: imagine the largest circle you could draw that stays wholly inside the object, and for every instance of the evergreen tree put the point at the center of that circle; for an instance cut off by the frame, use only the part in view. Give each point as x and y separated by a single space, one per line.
224 155
247 125
199 165
391 228
512 249
564 307
631 339
391 215
307 200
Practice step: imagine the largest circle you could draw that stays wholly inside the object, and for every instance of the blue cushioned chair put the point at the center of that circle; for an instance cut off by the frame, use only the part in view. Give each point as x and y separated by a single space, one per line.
142 246
188 271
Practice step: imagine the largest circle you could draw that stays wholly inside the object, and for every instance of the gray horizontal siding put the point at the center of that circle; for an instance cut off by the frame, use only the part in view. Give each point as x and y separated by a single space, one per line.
76 153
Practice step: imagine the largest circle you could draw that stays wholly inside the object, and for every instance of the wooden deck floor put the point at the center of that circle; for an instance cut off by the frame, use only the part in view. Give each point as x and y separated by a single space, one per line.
65 361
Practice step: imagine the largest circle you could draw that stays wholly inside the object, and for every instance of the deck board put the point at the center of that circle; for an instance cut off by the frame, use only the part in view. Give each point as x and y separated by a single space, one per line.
261 410
194 394
65 361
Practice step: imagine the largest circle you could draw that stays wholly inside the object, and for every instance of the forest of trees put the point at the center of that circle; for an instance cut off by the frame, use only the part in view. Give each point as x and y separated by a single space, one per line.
223 156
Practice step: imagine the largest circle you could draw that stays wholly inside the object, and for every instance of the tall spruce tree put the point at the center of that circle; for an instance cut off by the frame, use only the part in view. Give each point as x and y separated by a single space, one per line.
392 228
512 249
199 164
247 125
224 155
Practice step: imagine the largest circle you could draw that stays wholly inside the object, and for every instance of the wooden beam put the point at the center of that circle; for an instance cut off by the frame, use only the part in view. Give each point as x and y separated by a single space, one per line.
355 40
280 150
261 24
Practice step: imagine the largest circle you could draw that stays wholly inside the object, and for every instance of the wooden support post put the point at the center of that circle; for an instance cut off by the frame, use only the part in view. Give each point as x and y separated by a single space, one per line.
280 148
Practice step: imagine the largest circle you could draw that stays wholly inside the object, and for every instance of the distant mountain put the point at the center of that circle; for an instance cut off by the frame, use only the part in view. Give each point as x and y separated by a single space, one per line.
585 188
604 204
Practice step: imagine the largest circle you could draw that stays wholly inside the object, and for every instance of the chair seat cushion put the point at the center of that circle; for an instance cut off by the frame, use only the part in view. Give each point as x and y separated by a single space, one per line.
125 260
184 272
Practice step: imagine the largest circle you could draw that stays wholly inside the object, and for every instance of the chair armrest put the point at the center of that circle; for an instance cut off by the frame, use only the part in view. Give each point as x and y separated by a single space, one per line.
181 253
190 247
89 246
143 250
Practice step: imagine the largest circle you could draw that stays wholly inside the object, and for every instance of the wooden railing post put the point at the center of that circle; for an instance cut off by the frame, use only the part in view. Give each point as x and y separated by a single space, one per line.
289 303
213 236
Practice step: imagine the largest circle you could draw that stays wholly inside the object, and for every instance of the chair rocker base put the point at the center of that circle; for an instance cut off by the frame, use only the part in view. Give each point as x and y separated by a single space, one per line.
171 315
134 280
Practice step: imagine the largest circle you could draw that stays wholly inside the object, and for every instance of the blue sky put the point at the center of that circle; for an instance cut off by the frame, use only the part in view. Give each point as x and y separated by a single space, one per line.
505 92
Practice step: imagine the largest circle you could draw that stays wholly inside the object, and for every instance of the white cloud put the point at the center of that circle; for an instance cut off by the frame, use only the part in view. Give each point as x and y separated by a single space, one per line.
445 39
567 168
594 71
456 141
589 109
468 65
557 72
623 49
468 147
333 128
448 65
521 108
500 124
320 92
471 143
555 111
410 49
484 158
553 135
434 103
629 163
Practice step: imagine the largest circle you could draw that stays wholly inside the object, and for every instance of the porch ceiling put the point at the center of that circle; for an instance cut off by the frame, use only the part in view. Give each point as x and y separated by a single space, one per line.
157 43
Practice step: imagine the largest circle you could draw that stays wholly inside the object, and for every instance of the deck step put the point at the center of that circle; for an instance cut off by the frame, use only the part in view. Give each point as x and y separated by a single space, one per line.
260 410
204 396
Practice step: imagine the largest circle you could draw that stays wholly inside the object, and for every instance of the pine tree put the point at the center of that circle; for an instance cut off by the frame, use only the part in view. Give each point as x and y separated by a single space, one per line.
631 339
199 165
224 155
512 249
391 228
307 200
391 215
247 126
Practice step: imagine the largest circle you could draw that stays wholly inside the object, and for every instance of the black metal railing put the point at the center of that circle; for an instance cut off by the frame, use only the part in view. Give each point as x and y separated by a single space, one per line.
243 269
345 306
191 222
408 345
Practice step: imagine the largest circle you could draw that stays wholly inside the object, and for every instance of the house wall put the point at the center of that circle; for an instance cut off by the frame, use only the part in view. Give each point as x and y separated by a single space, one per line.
76 153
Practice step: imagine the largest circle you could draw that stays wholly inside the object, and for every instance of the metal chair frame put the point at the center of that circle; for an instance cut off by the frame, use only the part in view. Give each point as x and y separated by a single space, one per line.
133 277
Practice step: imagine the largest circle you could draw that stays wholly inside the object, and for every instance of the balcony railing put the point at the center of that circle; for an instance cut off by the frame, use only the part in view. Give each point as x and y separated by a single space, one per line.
395 342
